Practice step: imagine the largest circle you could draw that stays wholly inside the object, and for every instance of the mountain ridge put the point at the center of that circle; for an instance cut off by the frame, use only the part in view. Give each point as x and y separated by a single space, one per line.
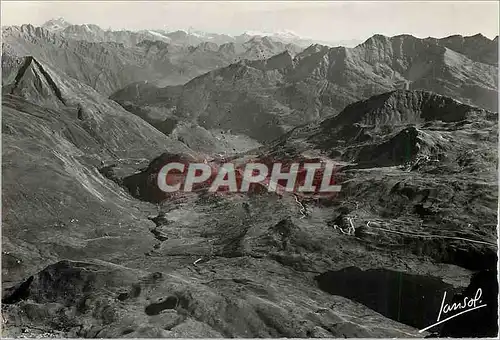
320 82
196 37
110 64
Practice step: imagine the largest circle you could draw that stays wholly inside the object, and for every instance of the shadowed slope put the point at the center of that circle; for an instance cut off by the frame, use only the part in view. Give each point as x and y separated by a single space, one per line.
56 134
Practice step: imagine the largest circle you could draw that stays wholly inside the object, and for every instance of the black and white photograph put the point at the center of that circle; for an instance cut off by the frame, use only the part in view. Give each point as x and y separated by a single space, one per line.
249 169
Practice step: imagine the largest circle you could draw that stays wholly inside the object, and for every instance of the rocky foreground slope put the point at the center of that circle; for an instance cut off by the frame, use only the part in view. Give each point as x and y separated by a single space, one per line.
84 255
265 97
56 133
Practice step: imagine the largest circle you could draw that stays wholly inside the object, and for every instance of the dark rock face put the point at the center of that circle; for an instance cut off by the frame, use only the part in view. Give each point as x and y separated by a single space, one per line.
144 185
411 299
19 292
482 322
156 308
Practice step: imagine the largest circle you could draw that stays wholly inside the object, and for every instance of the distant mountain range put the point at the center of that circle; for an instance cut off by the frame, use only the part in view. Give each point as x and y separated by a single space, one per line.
92 32
255 85
110 60
263 98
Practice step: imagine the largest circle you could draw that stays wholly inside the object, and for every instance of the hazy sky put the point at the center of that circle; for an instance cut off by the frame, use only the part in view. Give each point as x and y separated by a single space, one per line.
318 20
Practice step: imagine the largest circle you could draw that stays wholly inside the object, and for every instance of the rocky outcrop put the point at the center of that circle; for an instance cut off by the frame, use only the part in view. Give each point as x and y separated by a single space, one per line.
99 299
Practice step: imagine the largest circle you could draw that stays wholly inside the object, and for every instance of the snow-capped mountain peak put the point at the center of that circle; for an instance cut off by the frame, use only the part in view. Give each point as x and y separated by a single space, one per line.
56 24
158 36
256 33
286 34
